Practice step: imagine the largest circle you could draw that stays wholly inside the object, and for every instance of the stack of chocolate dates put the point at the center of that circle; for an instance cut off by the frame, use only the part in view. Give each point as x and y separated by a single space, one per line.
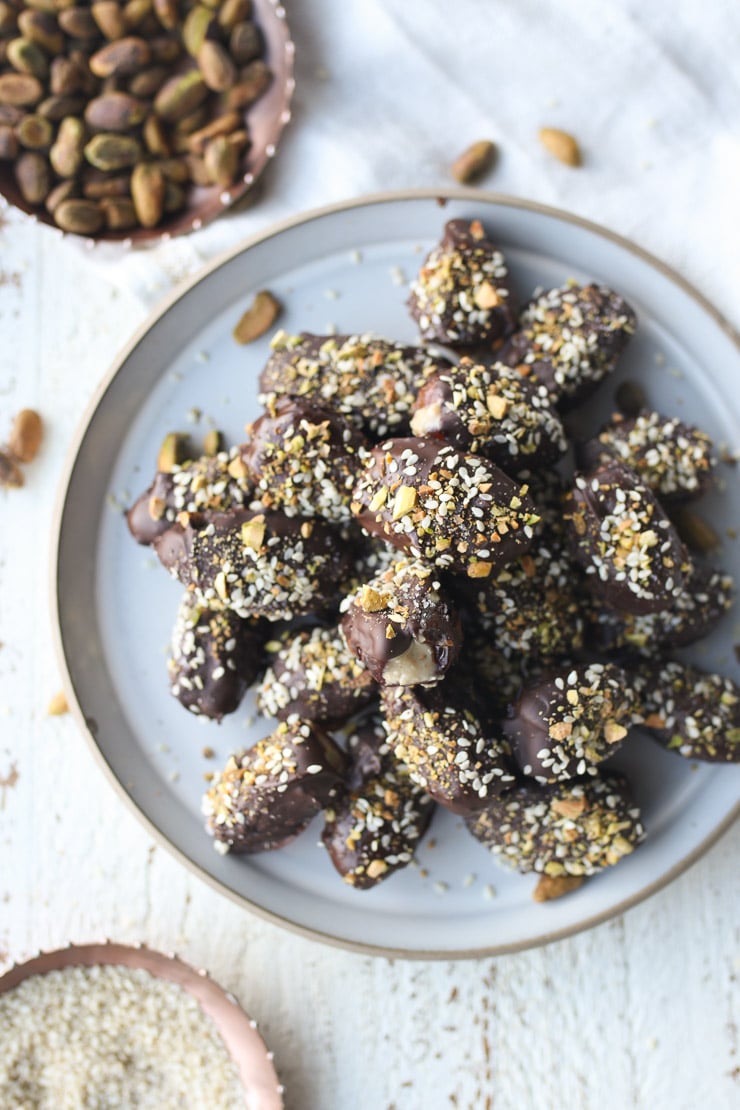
434 605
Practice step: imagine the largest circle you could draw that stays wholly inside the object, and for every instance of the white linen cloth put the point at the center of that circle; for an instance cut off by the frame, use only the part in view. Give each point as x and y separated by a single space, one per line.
389 92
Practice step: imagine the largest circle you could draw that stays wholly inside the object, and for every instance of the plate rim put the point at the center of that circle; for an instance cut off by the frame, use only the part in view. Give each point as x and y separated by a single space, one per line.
442 194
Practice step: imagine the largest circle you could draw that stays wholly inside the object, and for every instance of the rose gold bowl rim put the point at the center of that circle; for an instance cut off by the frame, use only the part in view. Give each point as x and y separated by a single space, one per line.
266 119
441 195
237 1030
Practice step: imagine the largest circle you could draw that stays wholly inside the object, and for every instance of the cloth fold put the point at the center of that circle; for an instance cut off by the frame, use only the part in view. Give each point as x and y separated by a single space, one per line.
389 93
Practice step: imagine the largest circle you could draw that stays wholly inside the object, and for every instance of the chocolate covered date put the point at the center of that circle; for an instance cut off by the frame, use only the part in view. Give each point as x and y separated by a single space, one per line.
620 535
566 722
258 564
267 795
673 459
491 411
447 749
456 510
400 626
373 830
531 610
315 676
705 597
691 712
463 294
569 339
574 828
370 382
212 483
214 657
304 460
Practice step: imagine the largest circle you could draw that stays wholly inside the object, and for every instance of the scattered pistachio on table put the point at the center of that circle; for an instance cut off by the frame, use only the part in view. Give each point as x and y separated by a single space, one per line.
562 145
58 705
474 162
25 436
22 447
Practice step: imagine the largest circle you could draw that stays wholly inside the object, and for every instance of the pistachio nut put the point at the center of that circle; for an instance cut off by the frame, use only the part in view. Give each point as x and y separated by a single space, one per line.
167 13
147 193
26 434
35 132
67 152
65 190
110 18
127 55
259 317
119 213
216 65
221 159
148 81
26 56
254 79
20 90
78 23
245 43
96 184
109 151
43 29
116 111
222 125
180 96
8 143
195 28
33 175
80 217
174 451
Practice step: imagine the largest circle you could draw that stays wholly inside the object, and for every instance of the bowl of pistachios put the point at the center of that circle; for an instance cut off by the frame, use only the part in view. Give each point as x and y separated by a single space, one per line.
136 120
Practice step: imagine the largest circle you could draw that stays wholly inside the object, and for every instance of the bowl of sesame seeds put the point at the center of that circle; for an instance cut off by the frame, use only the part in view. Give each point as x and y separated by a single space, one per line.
113 1025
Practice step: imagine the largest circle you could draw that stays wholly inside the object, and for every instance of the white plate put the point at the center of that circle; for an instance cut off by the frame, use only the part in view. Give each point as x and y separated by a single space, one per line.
116 606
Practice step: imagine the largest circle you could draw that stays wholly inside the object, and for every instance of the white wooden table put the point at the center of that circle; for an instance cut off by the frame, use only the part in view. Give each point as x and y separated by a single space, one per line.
641 1012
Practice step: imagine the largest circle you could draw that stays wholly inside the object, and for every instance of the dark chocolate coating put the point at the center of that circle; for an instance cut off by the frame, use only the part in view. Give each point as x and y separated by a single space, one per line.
373 831
304 460
315 676
463 294
266 796
566 722
532 610
458 511
706 596
215 658
569 339
371 382
260 564
401 627
632 554
573 828
491 411
496 679
673 459
447 749
214 483
690 712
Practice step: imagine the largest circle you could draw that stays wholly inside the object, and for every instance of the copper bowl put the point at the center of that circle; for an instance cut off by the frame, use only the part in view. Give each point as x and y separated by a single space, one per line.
265 119
239 1032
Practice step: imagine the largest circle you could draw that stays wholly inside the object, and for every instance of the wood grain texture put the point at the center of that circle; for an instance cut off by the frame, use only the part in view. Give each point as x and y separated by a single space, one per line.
641 1012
